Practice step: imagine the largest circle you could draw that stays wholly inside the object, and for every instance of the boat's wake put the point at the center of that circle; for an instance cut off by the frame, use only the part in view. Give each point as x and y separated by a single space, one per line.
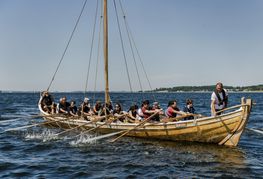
83 140
45 135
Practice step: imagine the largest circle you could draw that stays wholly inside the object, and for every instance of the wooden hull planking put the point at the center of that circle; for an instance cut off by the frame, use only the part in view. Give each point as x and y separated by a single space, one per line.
225 129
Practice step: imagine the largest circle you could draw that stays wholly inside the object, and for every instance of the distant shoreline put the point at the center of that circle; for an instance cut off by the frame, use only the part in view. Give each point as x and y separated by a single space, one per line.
177 89
38 92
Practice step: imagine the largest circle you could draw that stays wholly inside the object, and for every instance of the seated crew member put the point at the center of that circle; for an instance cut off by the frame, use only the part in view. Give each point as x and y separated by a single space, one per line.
53 108
47 102
219 99
63 107
172 110
189 108
118 112
157 116
97 107
85 108
147 111
105 107
139 111
133 115
73 110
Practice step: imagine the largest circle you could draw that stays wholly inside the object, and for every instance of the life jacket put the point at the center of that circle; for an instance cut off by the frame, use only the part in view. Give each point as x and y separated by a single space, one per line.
221 101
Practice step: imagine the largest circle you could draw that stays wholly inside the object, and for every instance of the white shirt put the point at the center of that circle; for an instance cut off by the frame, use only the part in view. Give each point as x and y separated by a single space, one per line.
214 98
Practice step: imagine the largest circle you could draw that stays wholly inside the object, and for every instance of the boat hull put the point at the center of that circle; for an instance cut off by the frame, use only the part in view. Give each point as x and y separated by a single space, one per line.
225 129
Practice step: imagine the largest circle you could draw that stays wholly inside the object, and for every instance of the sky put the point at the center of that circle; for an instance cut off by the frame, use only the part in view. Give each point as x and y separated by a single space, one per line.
181 42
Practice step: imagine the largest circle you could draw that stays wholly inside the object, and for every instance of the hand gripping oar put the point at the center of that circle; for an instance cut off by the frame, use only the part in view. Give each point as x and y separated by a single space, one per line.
71 129
33 125
141 124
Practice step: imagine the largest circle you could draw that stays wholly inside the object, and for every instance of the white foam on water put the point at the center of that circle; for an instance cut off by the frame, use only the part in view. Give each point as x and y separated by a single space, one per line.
91 139
82 140
44 135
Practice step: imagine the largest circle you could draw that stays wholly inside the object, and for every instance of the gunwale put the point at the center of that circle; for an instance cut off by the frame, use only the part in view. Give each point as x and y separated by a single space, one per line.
212 129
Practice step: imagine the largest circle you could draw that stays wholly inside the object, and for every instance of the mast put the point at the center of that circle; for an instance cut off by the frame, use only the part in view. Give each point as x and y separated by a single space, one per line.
105 40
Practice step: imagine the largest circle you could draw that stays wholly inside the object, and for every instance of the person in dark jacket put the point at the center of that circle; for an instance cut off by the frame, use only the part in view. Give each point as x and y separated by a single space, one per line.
189 108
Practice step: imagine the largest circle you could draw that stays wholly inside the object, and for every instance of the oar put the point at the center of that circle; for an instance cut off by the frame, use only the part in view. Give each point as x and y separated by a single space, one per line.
32 125
71 129
232 107
10 120
19 118
107 122
31 117
255 130
180 117
141 124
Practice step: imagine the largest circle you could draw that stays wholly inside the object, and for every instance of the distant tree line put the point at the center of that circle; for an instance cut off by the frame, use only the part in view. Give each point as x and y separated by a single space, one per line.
210 88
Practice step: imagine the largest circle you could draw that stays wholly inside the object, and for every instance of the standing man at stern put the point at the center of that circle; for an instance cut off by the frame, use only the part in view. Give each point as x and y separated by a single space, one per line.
219 99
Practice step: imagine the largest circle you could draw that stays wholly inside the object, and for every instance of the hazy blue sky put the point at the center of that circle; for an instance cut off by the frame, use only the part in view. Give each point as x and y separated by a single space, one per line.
181 42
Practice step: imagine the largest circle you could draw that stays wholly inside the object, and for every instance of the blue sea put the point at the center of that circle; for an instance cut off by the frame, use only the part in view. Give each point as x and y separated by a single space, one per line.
31 153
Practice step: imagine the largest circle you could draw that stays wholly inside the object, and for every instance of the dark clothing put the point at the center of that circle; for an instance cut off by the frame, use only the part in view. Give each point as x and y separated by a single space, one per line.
189 110
73 109
97 108
46 103
134 113
221 101
86 108
47 100
102 111
64 106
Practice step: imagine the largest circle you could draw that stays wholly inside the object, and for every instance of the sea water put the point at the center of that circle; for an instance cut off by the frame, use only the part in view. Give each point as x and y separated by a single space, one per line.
33 152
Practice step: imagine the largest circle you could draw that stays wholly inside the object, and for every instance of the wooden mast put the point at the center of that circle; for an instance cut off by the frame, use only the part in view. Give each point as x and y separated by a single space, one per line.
105 39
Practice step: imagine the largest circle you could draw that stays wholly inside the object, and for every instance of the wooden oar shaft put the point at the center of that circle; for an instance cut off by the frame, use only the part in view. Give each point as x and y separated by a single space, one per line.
32 125
107 122
10 120
137 126
99 118
232 107
181 117
26 117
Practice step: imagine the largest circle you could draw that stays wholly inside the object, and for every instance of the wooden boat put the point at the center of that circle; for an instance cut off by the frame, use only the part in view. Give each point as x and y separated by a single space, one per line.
225 129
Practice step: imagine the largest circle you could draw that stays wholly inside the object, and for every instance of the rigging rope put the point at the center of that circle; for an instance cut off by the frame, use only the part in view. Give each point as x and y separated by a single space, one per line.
98 56
91 48
72 33
136 67
138 54
124 55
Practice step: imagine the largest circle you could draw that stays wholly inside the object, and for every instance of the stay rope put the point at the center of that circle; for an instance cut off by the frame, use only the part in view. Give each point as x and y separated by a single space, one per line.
91 48
130 36
122 45
133 55
98 57
64 52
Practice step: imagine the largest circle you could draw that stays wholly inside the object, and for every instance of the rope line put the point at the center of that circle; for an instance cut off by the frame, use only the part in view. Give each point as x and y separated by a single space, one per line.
138 54
72 33
98 56
133 55
122 45
91 48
